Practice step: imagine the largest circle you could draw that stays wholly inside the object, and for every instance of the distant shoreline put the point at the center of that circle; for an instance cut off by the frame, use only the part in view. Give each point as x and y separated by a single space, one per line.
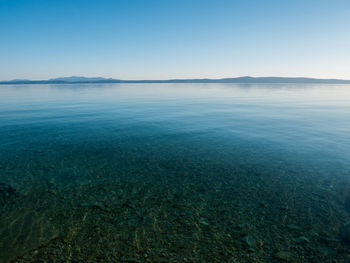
239 80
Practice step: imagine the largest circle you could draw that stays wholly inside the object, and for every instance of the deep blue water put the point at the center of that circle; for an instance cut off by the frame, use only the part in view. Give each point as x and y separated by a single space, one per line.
175 172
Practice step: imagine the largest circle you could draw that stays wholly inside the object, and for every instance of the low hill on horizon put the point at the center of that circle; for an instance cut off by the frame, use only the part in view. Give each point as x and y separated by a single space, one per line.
80 79
245 79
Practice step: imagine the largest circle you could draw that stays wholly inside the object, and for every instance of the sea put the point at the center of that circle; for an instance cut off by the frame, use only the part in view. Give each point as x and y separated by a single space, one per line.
194 172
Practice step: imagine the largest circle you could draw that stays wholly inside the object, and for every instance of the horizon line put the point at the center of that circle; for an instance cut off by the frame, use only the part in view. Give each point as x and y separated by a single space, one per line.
66 79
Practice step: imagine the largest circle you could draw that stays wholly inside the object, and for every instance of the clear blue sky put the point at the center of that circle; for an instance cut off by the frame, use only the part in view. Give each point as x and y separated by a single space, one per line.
161 39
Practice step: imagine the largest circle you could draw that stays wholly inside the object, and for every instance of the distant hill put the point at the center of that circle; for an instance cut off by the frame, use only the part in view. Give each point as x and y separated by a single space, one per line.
246 79
17 80
75 79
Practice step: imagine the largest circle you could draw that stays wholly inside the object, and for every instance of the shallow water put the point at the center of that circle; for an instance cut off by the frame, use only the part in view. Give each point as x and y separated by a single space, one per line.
175 173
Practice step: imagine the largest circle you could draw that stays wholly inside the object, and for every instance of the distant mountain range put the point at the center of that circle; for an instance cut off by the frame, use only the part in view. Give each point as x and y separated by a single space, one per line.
75 79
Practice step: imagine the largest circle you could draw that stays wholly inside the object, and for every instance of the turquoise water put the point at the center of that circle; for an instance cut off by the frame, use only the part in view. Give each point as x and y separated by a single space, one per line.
175 173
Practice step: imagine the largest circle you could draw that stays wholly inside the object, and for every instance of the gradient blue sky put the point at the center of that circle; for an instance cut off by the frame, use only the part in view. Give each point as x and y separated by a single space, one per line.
162 39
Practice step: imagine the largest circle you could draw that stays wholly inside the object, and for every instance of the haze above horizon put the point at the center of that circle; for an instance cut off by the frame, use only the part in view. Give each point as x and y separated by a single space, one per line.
174 39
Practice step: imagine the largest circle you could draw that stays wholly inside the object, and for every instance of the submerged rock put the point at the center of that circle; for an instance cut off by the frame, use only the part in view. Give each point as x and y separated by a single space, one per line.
294 227
93 205
301 240
285 256
347 204
344 233
6 192
203 222
130 260
249 241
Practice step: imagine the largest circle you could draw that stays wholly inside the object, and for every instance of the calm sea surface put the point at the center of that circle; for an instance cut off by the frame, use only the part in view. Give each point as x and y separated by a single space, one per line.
175 173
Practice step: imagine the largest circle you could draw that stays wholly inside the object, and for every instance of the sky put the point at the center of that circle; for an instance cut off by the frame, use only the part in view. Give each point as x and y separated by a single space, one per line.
166 39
